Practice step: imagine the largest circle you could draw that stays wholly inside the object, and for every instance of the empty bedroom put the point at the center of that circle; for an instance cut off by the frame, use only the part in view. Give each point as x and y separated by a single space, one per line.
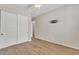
39 29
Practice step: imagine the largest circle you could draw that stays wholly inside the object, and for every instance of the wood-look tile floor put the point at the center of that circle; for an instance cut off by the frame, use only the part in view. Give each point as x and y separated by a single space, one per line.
38 47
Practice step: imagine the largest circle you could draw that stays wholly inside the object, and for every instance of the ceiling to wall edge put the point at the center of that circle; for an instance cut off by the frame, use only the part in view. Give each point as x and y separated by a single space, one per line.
50 11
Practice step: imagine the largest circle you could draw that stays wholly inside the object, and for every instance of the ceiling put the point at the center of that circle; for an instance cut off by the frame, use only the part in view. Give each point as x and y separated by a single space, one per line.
24 8
15 8
44 8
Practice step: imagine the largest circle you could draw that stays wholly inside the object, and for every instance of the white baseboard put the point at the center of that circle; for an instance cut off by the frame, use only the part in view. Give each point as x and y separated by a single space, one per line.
29 39
42 38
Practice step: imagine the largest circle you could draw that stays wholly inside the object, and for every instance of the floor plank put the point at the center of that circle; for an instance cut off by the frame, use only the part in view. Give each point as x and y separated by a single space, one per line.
38 47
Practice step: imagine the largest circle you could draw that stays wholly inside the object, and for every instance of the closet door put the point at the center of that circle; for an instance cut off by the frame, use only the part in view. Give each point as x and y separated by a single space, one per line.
2 30
22 29
8 29
11 28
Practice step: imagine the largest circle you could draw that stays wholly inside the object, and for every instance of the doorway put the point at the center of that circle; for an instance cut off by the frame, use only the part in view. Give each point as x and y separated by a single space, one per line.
34 28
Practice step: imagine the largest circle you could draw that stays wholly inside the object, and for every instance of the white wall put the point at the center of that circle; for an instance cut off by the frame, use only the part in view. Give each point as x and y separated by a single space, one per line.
65 32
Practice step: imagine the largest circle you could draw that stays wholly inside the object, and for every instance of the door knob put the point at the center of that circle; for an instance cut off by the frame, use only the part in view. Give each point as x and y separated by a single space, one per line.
2 34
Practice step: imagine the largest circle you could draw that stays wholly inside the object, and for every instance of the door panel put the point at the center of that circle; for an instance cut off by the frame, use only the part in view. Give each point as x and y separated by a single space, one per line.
11 28
8 29
22 29
2 24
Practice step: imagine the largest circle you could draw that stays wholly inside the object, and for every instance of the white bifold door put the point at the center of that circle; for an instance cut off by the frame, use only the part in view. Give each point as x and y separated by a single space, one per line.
22 29
8 29
13 29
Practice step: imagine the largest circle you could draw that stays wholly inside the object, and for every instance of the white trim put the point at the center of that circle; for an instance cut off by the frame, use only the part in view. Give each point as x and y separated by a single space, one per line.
42 38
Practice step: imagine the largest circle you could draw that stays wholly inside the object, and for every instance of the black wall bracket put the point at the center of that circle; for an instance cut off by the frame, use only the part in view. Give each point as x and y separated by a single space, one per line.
54 21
